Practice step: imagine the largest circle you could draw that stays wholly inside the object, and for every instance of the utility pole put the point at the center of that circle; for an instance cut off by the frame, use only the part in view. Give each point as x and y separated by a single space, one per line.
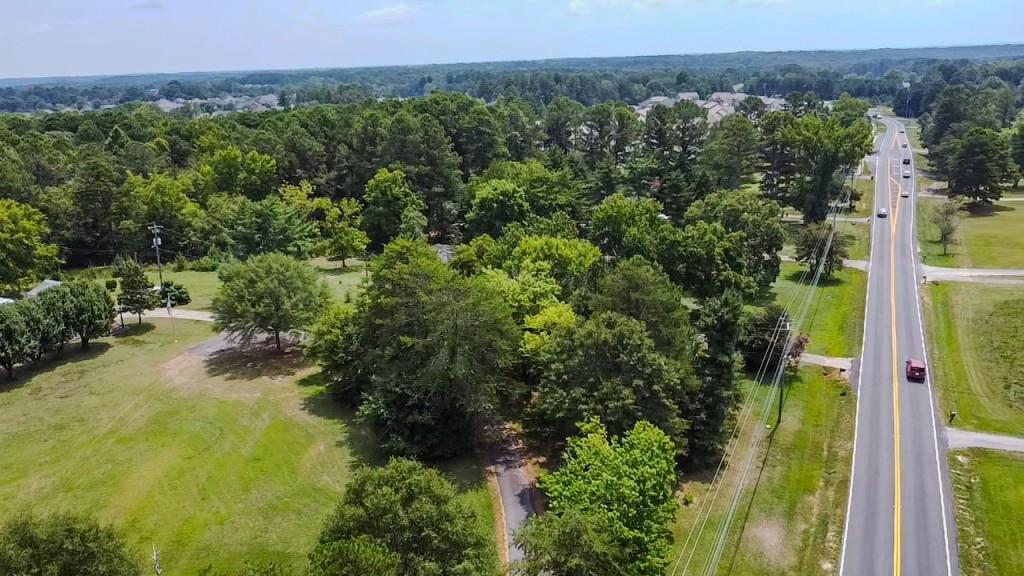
155 229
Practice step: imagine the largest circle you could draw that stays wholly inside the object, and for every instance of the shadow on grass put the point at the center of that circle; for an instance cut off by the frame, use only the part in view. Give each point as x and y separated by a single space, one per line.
132 329
466 472
257 361
72 354
988 210
803 277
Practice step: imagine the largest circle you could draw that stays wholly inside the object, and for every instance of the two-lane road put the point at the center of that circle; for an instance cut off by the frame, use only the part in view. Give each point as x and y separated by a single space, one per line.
900 517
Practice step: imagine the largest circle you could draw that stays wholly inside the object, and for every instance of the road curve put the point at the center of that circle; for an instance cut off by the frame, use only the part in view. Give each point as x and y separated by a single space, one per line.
900 518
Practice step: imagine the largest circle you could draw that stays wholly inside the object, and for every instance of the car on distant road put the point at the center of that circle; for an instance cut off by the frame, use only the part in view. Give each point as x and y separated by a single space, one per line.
905 193
906 173
883 213
906 161
916 369
904 145
902 131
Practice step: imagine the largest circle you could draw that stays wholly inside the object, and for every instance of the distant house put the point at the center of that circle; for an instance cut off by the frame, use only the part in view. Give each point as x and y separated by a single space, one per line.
444 251
42 287
5 301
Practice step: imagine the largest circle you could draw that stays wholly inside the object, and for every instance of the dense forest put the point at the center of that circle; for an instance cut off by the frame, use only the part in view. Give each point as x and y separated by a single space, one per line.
878 75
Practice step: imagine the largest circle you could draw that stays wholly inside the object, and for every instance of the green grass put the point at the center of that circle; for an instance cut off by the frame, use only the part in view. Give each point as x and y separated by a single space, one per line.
989 505
866 188
974 336
859 246
835 318
989 237
219 461
790 519
202 286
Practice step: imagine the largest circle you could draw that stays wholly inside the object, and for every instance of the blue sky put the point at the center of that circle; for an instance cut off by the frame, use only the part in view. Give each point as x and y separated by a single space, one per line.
82 37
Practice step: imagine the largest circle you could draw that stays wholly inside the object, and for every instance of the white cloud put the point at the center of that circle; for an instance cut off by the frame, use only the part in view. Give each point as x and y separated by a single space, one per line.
392 14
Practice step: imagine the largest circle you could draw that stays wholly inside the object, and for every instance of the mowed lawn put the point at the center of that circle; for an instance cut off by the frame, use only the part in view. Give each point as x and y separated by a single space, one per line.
790 517
989 237
989 490
835 317
974 336
214 457
202 286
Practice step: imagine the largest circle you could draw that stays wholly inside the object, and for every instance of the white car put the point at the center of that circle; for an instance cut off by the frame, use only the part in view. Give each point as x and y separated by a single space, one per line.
906 173
883 213
904 145
905 194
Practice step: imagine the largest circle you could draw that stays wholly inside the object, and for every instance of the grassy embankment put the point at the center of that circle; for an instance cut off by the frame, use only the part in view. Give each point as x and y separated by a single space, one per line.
790 518
989 504
974 337
216 458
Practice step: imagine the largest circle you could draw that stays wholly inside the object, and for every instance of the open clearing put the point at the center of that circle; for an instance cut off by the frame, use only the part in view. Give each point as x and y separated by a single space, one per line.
835 319
215 456
203 285
989 505
989 237
790 519
974 336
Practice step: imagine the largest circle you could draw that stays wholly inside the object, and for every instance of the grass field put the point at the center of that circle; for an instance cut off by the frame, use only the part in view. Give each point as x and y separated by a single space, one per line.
859 234
216 458
989 505
790 519
835 319
989 237
203 285
974 336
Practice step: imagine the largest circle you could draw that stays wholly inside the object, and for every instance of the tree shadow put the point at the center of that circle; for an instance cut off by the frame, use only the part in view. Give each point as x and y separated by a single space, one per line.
256 361
358 436
51 361
797 277
977 210
132 329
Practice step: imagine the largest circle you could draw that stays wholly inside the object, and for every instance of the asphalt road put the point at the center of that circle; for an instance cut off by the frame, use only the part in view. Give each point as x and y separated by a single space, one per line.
900 518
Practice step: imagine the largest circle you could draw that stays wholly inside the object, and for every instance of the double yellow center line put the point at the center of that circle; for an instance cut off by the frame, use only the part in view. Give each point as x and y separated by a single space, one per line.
897 472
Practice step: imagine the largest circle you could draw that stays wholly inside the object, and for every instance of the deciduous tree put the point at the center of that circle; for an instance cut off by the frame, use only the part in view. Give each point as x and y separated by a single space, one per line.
91 311
137 293
268 294
25 256
64 544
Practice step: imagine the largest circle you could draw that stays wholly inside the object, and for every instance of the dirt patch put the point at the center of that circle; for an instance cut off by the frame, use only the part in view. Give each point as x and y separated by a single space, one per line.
770 536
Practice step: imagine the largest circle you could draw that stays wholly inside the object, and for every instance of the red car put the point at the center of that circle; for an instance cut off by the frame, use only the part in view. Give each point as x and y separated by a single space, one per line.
916 370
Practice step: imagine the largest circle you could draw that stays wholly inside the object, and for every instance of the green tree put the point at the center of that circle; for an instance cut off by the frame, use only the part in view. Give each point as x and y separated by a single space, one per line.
570 261
779 174
54 327
849 110
824 148
706 259
268 294
1017 153
64 544
547 191
981 167
642 291
424 353
406 514
731 156
25 256
719 320
607 367
562 119
345 239
623 227
137 293
17 345
91 311
388 198
609 507
811 242
946 218
495 204
760 221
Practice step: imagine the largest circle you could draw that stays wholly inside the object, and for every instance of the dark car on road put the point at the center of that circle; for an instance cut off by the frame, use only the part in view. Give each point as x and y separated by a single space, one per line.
916 370
906 160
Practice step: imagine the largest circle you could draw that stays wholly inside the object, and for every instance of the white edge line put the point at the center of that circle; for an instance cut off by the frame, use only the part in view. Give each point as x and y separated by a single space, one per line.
860 367
928 379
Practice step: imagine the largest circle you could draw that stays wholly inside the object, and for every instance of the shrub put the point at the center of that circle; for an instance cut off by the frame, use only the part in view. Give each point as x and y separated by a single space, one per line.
180 264
178 294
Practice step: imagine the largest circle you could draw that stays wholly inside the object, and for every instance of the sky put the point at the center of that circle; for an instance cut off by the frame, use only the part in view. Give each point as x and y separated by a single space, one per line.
91 37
